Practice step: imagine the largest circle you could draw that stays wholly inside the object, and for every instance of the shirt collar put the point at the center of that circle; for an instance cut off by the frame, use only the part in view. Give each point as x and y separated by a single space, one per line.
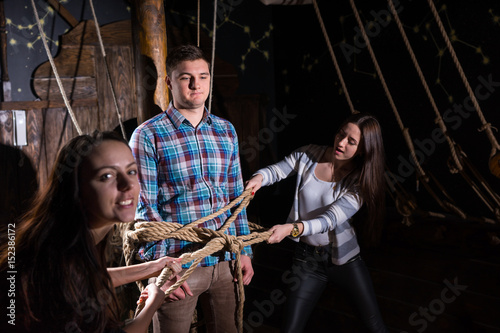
177 118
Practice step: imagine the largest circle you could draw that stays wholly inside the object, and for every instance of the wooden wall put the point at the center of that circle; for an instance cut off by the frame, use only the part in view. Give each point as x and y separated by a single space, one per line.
83 73
81 67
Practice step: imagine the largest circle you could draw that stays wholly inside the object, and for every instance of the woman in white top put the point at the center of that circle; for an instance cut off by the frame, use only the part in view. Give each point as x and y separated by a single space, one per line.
333 184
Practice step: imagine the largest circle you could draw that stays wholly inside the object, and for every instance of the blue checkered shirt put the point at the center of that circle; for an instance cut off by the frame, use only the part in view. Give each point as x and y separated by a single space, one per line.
187 173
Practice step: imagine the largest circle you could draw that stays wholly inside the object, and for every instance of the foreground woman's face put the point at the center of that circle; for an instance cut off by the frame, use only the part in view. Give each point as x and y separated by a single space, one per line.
109 186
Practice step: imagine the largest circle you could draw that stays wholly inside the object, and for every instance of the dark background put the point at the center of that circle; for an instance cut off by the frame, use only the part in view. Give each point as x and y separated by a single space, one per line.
280 53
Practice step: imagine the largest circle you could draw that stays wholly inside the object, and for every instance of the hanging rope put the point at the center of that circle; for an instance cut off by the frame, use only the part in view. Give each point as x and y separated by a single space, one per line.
215 240
198 25
101 44
457 167
213 58
334 58
486 126
439 119
387 92
444 204
54 69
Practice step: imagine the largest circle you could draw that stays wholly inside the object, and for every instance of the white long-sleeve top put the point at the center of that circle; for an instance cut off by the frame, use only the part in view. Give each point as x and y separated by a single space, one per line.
325 210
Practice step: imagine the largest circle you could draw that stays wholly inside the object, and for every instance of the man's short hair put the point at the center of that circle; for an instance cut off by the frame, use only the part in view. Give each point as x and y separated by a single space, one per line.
182 53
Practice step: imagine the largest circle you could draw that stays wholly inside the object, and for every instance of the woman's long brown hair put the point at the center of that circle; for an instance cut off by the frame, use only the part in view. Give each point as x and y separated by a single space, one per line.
63 281
367 179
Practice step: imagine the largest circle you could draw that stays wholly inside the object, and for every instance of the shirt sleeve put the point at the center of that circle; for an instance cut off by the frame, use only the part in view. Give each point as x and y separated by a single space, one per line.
144 152
235 187
285 168
339 212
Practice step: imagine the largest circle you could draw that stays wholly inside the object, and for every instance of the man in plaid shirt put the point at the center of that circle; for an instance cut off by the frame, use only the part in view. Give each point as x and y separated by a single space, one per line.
189 167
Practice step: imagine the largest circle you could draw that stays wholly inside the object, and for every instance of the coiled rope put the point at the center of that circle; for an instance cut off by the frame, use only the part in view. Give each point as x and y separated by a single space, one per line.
214 240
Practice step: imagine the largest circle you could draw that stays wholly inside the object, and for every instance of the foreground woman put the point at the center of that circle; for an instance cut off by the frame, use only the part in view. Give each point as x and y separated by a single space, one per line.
62 281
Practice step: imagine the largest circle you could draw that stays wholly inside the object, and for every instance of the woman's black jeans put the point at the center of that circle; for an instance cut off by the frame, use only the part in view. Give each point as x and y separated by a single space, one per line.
312 271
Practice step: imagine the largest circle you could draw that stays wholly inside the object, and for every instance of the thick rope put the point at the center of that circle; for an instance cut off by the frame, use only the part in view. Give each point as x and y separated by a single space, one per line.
334 58
445 205
387 92
457 167
439 119
486 126
54 69
212 65
198 25
481 179
215 240
108 75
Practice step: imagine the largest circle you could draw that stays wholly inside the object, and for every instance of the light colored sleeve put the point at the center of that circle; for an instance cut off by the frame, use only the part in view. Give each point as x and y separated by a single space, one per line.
339 212
285 168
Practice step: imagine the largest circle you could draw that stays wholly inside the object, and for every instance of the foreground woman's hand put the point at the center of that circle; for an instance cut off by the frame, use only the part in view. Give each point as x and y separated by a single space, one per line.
126 274
152 295
179 293
173 263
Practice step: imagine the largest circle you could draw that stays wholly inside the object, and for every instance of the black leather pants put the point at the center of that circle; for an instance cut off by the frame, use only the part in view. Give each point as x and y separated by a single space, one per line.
312 270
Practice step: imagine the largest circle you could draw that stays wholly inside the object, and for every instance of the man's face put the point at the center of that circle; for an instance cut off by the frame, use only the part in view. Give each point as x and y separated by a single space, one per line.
189 84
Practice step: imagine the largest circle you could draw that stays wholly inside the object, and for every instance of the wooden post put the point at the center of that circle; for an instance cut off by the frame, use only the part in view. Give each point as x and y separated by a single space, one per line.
150 41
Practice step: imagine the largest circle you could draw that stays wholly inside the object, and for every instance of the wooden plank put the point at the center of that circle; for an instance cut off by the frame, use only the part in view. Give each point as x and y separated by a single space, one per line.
38 105
34 135
116 33
59 125
46 131
89 119
70 62
6 128
74 88
122 77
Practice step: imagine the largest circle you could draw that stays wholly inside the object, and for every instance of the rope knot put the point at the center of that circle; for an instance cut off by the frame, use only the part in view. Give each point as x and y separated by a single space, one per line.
131 236
484 127
231 243
236 245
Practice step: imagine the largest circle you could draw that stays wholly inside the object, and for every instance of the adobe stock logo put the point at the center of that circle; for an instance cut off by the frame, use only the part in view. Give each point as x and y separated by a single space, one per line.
255 144
452 117
292 277
382 18
436 307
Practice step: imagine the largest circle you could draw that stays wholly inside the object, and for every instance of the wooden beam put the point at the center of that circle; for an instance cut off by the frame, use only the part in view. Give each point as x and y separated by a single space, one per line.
65 14
150 41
